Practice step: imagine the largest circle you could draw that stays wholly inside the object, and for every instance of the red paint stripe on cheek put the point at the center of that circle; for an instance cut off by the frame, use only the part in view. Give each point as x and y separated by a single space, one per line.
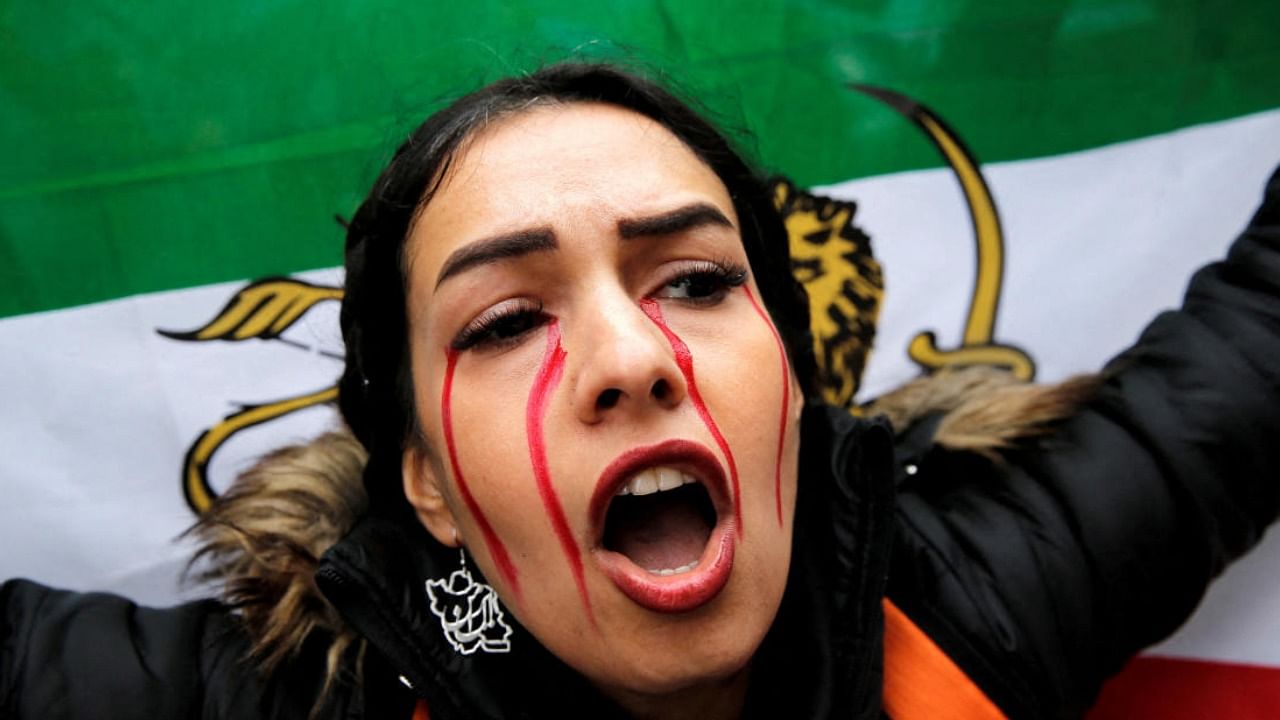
786 400
535 414
497 551
684 359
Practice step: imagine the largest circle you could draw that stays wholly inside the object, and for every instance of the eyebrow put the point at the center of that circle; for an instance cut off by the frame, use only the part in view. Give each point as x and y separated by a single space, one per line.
524 242
500 247
675 221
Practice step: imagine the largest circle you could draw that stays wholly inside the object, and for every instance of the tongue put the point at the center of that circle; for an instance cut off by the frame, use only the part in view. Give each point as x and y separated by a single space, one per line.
656 532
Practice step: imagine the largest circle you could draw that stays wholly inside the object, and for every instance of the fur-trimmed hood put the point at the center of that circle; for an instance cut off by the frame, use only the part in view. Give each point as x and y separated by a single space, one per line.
262 540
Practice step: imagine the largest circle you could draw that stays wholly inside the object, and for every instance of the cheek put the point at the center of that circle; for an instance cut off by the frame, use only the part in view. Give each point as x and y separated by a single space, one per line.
479 510
746 381
493 456
746 392
785 384
493 428
745 366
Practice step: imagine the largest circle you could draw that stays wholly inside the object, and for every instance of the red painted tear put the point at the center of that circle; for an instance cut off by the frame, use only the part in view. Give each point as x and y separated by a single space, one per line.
497 551
684 359
786 400
539 399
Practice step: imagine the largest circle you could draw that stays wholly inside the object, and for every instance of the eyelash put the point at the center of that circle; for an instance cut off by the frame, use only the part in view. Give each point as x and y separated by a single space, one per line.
500 326
717 277
505 324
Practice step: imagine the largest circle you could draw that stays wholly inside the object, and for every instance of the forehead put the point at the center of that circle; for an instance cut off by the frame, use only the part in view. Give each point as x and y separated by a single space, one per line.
564 167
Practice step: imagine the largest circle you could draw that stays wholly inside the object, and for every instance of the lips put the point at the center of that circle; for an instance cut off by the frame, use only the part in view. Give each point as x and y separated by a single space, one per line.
681 529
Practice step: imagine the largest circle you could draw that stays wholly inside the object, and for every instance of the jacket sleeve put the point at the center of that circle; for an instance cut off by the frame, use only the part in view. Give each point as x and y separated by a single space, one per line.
1042 575
72 655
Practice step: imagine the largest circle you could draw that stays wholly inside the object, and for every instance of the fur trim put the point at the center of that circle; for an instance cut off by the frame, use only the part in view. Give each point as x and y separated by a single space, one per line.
986 410
263 538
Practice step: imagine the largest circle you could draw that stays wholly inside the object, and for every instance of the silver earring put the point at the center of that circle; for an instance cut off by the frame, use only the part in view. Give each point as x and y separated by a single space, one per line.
469 613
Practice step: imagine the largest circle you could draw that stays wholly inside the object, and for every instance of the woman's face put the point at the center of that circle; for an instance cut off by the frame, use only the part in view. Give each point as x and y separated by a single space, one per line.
610 422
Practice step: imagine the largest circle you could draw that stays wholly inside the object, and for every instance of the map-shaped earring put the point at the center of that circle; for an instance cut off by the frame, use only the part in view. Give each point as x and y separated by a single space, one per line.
469 613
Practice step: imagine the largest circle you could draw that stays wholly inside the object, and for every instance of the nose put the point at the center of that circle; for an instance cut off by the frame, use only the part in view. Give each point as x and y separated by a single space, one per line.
625 366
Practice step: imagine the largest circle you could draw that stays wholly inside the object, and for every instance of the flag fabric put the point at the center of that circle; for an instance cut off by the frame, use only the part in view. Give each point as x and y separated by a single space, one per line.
174 176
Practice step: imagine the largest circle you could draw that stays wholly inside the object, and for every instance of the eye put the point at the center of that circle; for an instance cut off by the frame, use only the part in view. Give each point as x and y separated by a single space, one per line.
500 326
703 282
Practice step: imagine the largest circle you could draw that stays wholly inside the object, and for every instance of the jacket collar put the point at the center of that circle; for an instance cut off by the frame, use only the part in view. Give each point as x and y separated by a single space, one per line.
825 647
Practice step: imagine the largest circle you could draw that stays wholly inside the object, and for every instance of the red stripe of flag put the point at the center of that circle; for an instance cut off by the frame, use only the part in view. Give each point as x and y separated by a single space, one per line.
1182 689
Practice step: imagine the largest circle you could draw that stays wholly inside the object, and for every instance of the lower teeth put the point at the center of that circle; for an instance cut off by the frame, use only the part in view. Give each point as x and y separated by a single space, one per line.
674 571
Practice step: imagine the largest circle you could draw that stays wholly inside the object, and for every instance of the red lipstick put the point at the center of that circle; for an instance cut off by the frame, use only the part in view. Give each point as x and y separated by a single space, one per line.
687 590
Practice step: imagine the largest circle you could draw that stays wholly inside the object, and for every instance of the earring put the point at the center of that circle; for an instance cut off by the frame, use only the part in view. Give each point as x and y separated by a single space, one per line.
469 613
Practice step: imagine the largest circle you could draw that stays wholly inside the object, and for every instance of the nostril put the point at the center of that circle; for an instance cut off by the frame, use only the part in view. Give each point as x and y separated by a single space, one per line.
660 390
608 398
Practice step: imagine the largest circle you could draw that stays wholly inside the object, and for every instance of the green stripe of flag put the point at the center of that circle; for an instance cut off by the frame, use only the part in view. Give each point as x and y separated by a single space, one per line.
150 146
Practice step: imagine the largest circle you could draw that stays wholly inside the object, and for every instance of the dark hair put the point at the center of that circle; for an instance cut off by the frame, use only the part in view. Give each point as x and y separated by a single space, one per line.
375 392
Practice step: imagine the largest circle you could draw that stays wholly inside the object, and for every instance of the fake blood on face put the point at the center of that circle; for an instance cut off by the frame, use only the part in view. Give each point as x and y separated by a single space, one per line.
535 413
497 551
684 360
786 393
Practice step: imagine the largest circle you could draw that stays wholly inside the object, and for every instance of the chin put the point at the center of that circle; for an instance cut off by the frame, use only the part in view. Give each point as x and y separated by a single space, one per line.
659 654
677 670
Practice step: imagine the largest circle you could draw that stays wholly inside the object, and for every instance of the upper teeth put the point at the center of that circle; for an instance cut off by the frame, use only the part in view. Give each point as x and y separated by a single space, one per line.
652 480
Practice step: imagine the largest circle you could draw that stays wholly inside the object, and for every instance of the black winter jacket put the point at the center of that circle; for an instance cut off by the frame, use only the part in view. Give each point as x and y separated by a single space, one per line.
1039 572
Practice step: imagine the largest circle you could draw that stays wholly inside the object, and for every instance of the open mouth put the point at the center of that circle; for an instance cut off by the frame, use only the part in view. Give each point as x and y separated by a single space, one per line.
660 520
663 519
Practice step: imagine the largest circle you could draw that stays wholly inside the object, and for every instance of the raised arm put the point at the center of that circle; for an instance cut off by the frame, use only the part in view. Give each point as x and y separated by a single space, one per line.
1042 574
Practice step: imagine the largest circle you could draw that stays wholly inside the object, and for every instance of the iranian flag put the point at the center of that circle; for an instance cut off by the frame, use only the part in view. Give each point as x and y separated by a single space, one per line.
172 178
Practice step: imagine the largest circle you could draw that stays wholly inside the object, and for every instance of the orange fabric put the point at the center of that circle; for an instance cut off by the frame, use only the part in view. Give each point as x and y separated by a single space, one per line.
420 711
921 682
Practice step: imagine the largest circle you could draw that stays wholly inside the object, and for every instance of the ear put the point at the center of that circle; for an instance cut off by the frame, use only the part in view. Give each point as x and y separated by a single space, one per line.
423 487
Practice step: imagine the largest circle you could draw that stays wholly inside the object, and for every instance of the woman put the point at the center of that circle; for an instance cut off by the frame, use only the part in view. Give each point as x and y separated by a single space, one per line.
598 480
